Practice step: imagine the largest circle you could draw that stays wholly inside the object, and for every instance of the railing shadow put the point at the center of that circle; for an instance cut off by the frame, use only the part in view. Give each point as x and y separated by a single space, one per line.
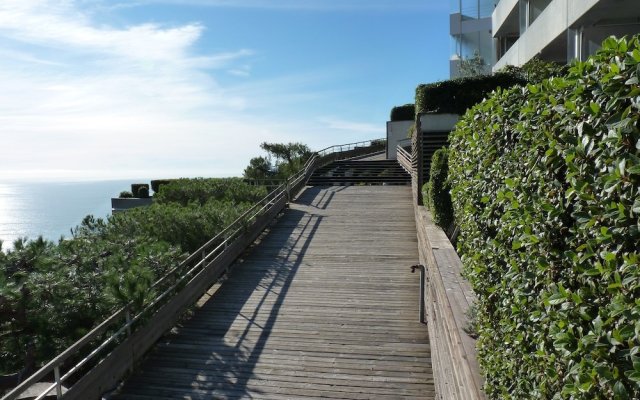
319 196
216 351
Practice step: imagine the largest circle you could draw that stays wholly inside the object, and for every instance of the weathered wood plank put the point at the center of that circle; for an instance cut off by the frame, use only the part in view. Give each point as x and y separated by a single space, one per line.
324 306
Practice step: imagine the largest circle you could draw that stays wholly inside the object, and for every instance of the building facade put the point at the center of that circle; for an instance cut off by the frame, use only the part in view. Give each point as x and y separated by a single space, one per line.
558 30
470 30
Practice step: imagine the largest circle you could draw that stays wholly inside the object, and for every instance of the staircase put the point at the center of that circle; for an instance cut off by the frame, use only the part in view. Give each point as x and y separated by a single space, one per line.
360 172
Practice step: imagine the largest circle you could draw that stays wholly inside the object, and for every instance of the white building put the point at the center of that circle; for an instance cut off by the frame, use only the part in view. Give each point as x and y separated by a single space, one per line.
470 30
558 30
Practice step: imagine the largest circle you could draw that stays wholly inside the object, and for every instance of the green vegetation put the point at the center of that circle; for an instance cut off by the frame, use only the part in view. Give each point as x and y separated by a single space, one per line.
437 189
52 294
406 112
157 183
472 66
140 190
537 70
457 95
125 194
546 190
289 159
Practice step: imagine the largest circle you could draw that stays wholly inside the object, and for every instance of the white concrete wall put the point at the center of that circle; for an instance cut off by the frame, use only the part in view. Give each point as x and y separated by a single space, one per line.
553 22
396 131
501 13
438 122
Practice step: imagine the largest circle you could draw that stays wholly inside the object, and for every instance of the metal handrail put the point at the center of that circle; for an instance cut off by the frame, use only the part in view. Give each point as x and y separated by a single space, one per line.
405 160
213 248
349 146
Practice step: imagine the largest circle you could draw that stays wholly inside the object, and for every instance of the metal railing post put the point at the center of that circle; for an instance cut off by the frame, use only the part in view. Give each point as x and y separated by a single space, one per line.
421 304
56 374
288 189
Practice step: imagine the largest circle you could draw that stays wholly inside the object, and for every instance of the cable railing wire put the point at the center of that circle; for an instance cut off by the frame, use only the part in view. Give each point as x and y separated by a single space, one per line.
176 278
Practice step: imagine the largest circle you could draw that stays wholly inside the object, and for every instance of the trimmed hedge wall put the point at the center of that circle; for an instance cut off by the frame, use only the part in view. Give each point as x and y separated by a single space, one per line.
437 190
140 190
546 190
455 96
406 112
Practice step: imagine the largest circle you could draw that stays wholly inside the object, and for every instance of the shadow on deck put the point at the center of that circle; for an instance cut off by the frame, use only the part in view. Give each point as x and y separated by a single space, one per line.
324 306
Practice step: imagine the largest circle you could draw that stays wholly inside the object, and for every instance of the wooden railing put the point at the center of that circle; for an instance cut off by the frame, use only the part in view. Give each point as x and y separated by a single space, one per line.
99 363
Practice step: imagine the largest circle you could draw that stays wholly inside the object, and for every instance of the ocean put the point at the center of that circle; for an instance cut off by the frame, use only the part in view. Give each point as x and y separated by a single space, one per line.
51 209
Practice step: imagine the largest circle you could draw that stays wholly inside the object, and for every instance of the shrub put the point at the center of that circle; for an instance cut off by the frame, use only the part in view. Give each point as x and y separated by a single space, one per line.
437 190
157 183
537 70
143 192
135 188
201 190
457 95
406 112
546 190
125 194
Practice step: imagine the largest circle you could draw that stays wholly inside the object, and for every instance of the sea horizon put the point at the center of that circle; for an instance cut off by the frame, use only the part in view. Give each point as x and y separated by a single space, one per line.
51 208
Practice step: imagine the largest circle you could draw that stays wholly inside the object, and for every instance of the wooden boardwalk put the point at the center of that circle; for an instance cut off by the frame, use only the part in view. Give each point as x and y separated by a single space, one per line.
325 306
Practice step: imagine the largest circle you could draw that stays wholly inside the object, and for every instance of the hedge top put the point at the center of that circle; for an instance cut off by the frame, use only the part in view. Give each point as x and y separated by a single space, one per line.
455 96
406 112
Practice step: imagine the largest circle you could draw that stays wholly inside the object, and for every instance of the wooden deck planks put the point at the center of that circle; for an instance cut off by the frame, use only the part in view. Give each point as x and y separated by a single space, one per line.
325 306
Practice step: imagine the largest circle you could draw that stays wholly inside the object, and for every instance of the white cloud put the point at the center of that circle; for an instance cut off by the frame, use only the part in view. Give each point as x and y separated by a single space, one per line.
59 24
87 100
82 99
353 126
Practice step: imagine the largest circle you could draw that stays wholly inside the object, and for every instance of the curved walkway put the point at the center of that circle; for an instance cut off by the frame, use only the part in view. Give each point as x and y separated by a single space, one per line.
325 306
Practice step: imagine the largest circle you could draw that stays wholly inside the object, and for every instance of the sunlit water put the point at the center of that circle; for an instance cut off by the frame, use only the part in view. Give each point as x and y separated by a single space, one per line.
52 209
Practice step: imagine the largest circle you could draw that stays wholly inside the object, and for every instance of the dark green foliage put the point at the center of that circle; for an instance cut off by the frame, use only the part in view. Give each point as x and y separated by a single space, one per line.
537 70
455 96
203 190
125 194
157 183
259 169
143 192
135 189
289 159
406 112
437 190
51 295
546 190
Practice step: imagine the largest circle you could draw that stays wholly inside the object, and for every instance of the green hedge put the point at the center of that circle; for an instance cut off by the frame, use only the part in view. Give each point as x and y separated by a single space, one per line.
545 184
455 96
105 264
157 183
140 190
406 112
437 190
202 190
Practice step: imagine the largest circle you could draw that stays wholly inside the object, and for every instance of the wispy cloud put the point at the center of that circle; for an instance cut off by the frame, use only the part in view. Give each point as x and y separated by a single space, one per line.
83 96
352 126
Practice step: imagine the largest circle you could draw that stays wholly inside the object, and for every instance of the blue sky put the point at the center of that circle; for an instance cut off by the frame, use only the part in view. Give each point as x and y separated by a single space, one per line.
108 89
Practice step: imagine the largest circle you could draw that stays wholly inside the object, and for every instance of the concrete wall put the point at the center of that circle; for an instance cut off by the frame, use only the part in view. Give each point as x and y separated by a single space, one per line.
552 22
118 204
438 122
396 132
